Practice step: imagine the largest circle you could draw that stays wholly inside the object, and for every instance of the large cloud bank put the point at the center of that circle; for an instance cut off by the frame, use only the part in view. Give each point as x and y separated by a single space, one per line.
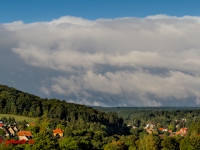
152 61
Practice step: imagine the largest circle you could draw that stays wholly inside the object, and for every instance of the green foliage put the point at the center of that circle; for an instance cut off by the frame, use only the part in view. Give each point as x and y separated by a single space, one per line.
115 146
2 133
170 143
9 147
149 142
190 143
34 129
194 128
68 143
43 141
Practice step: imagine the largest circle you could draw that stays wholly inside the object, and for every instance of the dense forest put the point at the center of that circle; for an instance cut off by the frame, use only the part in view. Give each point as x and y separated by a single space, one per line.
160 116
91 128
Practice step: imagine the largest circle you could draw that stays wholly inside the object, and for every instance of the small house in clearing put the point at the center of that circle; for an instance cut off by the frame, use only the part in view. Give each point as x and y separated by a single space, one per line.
24 135
58 132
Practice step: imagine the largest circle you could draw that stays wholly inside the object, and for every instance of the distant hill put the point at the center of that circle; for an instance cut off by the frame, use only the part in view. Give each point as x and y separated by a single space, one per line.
13 101
131 113
16 102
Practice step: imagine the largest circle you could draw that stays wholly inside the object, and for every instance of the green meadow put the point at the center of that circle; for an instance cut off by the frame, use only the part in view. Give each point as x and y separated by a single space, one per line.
18 118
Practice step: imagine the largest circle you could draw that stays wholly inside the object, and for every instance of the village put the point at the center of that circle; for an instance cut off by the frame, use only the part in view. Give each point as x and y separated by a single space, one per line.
12 131
163 131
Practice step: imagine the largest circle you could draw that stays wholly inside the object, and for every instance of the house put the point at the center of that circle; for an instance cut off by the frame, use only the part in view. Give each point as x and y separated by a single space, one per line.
30 124
11 131
7 133
1 125
58 132
131 126
183 131
170 131
184 120
163 129
150 131
150 125
24 135
16 129
134 127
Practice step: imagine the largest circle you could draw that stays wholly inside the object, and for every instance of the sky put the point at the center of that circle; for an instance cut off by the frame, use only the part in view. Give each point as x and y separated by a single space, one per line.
103 53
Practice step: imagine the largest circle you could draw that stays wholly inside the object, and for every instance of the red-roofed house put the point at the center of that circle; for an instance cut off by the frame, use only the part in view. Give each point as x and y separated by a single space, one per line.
24 135
163 129
1 125
183 131
58 132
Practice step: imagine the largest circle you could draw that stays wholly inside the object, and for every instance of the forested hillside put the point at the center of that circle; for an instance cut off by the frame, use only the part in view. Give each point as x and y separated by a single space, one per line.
163 116
13 101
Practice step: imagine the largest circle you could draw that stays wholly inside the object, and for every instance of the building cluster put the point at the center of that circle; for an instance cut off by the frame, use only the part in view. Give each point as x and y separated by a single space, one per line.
162 131
13 131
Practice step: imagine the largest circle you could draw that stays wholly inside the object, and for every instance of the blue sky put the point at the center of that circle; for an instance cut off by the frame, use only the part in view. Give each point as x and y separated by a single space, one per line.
41 10
103 53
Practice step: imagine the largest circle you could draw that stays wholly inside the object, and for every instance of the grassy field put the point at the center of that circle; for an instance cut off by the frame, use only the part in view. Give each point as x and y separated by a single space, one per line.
18 118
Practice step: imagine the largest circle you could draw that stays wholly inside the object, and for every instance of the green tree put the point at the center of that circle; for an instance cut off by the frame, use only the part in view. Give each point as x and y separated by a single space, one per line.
43 141
115 145
170 143
190 143
185 144
68 143
149 142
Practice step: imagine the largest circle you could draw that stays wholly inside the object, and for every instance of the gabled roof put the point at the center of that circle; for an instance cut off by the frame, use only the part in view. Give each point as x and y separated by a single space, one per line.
184 129
11 129
24 133
58 130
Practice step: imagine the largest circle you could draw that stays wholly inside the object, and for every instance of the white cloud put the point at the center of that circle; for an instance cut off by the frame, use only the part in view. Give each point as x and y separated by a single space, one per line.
44 90
122 61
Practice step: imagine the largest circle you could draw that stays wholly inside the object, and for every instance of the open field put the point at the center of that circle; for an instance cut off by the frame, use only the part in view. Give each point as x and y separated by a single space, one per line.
18 118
